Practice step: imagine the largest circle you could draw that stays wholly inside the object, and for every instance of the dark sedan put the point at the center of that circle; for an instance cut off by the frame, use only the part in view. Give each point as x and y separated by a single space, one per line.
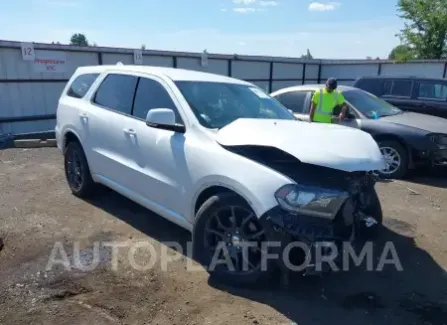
406 139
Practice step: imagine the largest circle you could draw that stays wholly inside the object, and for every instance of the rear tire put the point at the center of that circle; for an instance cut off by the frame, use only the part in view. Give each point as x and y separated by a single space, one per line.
397 159
77 171
229 218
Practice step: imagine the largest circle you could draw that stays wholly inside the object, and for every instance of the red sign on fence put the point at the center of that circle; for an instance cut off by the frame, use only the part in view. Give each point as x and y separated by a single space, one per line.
50 61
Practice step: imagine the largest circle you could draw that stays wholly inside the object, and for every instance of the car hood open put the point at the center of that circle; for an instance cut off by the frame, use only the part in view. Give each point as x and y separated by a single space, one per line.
327 145
421 121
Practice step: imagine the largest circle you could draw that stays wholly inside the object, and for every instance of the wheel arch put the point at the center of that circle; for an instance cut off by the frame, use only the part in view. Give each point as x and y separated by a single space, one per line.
69 136
210 190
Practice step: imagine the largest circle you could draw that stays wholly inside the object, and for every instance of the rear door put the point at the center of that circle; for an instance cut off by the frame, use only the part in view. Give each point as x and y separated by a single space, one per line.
111 128
398 92
298 101
431 97
72 108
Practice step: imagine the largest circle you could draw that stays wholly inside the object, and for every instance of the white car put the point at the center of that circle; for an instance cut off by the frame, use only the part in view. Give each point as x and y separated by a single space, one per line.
219 157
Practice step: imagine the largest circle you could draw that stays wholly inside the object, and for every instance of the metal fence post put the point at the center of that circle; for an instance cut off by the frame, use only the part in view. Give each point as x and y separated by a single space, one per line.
319 73
271 77
304 74
99 58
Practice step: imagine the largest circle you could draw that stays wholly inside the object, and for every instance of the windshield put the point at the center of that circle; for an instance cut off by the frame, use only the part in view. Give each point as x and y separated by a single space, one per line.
369 105
218 104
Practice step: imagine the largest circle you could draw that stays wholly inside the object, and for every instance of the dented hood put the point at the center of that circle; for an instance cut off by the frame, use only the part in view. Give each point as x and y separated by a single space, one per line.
327 145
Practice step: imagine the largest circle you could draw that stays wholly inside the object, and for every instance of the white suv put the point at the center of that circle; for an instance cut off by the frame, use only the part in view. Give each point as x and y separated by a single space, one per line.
219 157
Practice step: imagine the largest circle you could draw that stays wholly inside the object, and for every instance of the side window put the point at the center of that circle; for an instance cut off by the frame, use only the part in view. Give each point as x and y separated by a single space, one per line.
294 100
386 88
401 88
116 92
432 90
151 94
80 86
369 85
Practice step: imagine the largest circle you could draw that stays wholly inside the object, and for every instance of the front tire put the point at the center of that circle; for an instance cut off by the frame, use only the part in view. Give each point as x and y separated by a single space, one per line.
77 171
373 209
223 223
396 157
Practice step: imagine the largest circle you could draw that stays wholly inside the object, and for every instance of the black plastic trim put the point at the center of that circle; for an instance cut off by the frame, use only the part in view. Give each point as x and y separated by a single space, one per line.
27 118
180 128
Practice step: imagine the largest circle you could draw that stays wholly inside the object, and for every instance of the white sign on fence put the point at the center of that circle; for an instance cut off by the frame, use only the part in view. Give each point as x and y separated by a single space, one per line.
138 57
50 61
28 51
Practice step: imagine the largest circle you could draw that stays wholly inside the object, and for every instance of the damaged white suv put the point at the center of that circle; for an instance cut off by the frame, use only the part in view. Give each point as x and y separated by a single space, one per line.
219 157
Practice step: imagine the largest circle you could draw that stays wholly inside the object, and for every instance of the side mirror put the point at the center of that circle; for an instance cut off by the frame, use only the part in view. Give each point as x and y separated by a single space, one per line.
163 118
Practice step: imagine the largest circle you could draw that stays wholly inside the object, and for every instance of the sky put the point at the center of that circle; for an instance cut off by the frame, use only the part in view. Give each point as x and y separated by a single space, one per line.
347 29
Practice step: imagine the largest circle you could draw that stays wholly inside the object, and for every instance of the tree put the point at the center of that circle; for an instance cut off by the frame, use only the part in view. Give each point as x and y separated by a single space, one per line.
401 52
307 56
425 28
78 39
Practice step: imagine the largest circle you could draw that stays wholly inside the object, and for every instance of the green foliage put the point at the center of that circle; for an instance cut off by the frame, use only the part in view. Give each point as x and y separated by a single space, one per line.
401 53
78 39
425 27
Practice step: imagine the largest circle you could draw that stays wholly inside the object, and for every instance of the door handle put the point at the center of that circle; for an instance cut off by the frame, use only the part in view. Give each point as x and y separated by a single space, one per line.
130 132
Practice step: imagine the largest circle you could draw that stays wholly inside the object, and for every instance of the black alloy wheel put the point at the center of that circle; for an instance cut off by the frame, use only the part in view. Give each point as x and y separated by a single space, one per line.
77 171
228 240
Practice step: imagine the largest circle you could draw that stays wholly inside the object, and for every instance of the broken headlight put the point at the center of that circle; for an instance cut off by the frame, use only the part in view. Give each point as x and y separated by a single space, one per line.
439 139
311 201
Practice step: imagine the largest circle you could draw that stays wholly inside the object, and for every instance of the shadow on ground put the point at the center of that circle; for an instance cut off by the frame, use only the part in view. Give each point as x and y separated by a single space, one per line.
412 296
436 177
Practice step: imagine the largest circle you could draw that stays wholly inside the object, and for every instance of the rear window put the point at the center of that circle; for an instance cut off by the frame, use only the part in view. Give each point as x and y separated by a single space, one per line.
370 85
399 88
80 86
293 100
432 90
116 92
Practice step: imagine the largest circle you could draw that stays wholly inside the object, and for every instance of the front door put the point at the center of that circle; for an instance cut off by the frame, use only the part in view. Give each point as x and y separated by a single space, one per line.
160 171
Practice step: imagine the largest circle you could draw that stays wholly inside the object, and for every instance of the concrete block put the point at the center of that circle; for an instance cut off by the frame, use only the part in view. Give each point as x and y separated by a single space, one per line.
35 143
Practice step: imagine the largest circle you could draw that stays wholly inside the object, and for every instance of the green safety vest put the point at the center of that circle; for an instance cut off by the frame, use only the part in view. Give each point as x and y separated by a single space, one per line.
324 114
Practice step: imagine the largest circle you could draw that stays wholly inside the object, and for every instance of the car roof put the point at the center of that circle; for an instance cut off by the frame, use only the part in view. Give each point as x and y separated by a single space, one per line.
171 73
400 77
311 87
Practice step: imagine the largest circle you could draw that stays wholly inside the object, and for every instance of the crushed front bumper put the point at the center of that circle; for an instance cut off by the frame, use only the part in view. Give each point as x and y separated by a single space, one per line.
439 157
320 241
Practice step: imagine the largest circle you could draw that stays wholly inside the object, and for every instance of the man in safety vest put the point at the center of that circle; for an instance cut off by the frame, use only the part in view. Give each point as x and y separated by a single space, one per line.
325 101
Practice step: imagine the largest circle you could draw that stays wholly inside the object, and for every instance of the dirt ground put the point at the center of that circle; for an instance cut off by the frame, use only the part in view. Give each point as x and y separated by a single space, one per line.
37 211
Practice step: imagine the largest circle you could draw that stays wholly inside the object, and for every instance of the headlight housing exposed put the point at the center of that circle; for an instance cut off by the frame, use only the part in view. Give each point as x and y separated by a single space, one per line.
439 139
310 200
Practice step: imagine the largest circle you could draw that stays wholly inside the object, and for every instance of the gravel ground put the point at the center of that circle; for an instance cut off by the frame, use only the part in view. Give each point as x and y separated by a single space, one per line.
39 214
